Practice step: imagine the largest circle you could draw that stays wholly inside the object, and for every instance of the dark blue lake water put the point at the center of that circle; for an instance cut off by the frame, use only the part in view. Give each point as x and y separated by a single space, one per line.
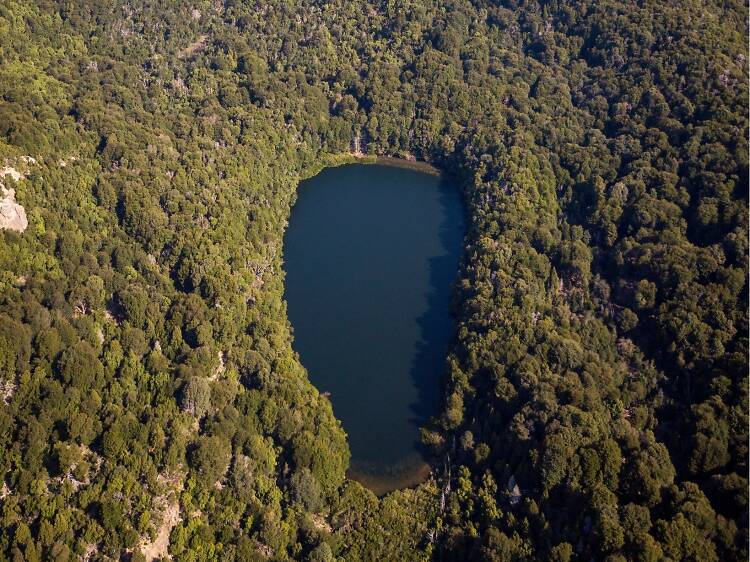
370 255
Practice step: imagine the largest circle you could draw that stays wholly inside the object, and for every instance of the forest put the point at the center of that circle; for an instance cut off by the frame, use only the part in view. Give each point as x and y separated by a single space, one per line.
595 398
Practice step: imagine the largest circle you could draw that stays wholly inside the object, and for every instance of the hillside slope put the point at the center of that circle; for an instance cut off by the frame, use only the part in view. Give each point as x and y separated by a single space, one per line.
595 398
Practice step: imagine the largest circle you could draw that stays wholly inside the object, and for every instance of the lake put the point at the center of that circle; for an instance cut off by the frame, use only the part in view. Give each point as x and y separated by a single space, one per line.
371 254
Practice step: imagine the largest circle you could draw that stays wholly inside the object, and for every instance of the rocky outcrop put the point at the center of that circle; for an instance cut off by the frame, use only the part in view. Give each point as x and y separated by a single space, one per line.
12 215
168 505
513 491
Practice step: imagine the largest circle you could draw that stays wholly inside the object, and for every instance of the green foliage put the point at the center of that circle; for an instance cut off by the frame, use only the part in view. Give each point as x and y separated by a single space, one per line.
210 458
595 403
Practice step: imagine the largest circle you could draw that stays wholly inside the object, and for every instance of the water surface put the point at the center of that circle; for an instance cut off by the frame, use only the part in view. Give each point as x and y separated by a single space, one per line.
370 254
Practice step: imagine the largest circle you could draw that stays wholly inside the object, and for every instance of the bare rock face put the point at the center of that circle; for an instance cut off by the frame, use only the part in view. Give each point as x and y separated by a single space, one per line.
12 215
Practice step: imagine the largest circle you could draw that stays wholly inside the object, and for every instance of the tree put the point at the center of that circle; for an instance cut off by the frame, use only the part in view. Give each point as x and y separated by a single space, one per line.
196 396
210 458
305 489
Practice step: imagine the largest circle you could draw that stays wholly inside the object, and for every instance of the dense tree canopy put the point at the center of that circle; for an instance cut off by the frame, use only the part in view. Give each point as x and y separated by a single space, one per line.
595 398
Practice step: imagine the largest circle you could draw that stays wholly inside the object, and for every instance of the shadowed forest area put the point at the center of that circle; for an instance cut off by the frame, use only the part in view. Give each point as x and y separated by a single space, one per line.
594 403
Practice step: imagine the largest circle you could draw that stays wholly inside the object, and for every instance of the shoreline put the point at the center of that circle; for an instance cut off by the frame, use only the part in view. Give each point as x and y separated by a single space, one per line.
382 484
414 473
344 158
417 165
